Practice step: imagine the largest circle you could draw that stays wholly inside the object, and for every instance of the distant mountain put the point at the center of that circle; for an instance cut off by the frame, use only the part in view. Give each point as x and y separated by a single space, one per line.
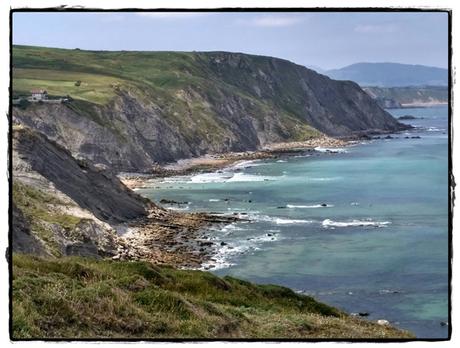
391 75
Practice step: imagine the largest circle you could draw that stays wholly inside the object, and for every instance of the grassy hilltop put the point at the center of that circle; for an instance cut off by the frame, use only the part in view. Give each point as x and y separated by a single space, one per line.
102 73
83 298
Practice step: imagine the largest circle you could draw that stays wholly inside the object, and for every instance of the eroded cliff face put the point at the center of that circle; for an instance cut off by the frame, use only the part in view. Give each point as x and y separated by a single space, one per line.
336 108
232 102
412 96
62 206
92 189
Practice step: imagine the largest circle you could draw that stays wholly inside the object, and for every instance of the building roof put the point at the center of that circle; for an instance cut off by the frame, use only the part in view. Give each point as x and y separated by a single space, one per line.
38 91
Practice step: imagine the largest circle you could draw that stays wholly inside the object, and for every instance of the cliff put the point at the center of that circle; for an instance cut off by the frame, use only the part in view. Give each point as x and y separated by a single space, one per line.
131 110
400 97
62 206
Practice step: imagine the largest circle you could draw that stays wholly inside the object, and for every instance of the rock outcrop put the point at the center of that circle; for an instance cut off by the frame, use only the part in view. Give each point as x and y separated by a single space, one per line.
62 206
92 189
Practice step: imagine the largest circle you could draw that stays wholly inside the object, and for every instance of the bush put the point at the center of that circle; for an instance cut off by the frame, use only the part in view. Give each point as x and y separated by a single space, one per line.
22 103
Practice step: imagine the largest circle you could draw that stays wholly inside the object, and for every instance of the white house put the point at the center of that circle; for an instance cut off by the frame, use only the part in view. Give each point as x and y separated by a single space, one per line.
39 94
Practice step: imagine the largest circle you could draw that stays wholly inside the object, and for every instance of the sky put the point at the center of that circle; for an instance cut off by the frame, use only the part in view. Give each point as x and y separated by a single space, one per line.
324 40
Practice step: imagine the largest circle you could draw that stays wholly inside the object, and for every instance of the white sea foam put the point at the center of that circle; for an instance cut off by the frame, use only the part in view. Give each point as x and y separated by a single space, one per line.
325 179
214 200
293 206
278 220
245 164
231 228
354 223
226 252
210 178
330 149
282 221
229 177
178 208
242 177
281 161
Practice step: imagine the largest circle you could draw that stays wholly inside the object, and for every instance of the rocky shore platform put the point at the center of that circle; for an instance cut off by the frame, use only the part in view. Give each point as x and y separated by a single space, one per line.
212 162
166 237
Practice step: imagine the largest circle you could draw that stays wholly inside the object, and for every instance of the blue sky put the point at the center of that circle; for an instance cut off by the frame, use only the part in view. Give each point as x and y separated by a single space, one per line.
326 40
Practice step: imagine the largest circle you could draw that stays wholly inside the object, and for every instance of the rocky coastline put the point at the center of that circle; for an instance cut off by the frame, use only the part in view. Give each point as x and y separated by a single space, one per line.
172 238
179 238
209 163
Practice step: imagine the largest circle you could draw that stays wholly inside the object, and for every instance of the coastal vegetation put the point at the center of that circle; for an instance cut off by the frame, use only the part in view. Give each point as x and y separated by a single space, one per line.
84 298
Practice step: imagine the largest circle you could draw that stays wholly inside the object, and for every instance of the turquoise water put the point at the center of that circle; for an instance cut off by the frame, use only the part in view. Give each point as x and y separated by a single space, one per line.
379 246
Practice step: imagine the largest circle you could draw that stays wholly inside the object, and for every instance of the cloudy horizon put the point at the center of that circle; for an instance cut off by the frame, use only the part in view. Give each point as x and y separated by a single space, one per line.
321 40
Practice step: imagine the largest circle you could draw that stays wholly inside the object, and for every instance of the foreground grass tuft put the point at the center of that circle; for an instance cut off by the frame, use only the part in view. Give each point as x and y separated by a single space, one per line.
84 298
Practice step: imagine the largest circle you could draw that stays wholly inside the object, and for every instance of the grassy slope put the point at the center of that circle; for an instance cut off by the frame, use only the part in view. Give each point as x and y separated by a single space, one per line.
82 298
150 76
39 208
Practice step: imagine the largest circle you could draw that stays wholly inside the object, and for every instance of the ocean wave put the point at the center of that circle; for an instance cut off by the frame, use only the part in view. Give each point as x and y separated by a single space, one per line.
334 178
214 200
210 178
227 251
434 129
293 206
354 223
246 164
228 178
242 177
279 220
232 228
178 208
330 149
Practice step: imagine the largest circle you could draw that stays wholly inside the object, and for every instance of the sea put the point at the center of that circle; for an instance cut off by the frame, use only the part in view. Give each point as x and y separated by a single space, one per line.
363 228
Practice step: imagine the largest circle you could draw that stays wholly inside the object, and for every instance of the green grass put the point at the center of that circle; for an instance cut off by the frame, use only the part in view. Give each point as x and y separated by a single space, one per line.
162 79
84 298
95 88
40 210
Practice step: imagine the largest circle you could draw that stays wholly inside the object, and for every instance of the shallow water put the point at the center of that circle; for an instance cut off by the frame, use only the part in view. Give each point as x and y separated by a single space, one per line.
380 245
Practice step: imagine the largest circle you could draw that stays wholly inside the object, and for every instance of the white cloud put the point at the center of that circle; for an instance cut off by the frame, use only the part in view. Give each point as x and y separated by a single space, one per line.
273 21
171 15
376 28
